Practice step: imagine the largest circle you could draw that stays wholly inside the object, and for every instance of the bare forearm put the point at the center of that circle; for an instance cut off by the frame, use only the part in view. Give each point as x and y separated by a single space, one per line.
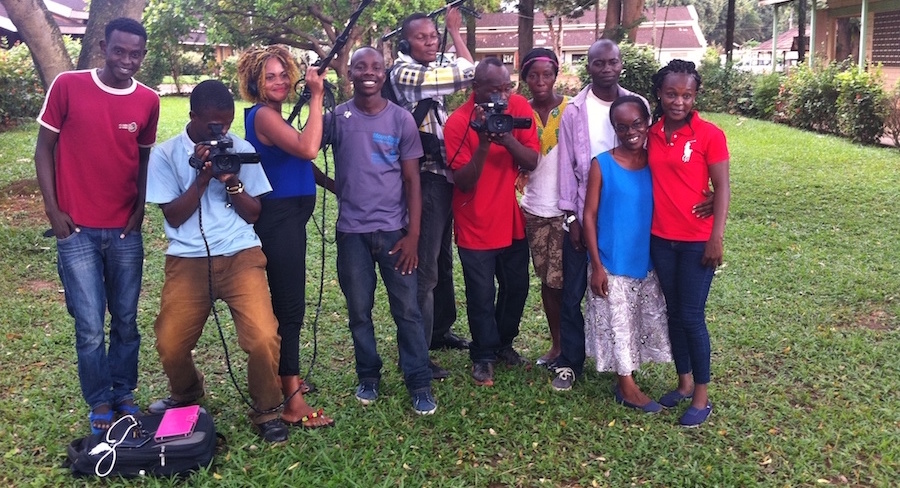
322 179
311 137
143 164
462 50
721 197
45 167
524 157
46 177
246 206
467 176
413 192
178 211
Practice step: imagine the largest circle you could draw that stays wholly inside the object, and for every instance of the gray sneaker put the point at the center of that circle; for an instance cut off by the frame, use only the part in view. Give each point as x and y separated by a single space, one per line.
424 402
367 392
565 378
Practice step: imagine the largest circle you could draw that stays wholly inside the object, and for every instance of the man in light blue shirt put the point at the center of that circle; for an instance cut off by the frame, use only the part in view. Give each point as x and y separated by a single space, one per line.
209 218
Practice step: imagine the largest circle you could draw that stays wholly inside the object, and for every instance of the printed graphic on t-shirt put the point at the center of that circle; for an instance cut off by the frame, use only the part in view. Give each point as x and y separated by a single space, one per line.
391 153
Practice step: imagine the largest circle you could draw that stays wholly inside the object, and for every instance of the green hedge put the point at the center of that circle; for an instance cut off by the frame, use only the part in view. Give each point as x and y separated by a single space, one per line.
20 85
834 98
861 107
639 66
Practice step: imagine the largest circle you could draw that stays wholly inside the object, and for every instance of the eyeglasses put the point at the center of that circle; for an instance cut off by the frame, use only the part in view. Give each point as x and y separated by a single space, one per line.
638 125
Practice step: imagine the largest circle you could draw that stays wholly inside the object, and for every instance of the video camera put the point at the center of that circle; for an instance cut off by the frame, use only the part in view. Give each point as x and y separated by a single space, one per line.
496 121
223 158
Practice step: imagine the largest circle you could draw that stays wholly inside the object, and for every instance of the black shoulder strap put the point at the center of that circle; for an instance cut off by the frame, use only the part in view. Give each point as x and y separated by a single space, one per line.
422 108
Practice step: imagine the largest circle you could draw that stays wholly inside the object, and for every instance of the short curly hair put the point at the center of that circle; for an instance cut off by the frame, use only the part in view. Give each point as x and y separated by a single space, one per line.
250 70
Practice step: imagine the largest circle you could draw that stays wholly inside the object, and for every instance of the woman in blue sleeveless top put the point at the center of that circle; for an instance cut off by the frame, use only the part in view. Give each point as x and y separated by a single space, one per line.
625 314
267 77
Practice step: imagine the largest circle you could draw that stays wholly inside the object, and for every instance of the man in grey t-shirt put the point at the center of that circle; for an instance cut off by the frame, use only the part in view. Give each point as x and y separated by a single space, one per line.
376 151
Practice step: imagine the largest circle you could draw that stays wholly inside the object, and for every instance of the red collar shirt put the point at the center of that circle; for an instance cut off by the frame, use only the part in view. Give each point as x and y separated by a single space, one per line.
680 170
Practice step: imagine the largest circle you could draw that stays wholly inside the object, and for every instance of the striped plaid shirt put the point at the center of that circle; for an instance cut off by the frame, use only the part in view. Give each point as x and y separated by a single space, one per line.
413 82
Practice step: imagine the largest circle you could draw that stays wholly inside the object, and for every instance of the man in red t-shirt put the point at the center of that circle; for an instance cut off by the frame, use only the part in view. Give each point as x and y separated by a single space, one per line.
93 146
490 227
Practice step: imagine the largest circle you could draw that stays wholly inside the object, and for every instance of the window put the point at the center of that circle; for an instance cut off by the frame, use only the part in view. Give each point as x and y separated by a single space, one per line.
886 38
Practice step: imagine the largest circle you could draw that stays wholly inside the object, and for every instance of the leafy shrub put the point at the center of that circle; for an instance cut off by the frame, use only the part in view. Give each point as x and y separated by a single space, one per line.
860 105
20 85
766 88
639 67
892 116
724 89
193 64
228 75
154 68
810 97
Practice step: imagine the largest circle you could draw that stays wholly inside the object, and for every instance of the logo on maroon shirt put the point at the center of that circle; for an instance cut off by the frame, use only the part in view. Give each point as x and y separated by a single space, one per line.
130 127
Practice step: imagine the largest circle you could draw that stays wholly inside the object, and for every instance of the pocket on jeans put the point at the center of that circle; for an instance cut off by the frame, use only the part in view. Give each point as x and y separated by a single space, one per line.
67 239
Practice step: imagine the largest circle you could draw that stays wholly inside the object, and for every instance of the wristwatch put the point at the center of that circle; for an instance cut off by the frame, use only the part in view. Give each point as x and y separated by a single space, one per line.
236 189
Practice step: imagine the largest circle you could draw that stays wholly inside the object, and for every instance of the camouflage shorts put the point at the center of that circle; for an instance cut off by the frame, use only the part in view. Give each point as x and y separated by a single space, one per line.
545 238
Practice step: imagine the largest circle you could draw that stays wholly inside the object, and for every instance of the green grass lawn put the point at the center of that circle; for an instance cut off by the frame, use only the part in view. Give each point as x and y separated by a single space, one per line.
805 342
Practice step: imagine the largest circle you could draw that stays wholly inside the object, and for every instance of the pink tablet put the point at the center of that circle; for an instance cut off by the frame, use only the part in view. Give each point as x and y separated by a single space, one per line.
177 423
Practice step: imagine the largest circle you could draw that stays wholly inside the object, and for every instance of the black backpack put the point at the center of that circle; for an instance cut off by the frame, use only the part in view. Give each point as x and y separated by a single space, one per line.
138 454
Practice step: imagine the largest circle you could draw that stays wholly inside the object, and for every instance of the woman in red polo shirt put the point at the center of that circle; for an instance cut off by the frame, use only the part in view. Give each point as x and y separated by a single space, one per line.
686 154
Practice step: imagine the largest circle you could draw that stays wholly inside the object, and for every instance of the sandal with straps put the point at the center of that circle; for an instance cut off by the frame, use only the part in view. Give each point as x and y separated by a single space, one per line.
316 414
100 422
123 409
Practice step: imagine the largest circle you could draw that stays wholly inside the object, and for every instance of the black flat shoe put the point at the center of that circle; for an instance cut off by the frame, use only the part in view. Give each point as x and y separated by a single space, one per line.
274 430
437 372
450 341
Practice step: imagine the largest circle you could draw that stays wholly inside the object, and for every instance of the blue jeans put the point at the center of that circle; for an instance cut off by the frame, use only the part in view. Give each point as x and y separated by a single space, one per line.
571 326
99 271
494 326
685 282
436 295
357 255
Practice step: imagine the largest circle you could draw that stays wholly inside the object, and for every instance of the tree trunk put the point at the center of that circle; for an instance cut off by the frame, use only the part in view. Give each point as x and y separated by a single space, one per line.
40 32
470 34
729 33
102 11
526 27
632 15
554 35
613 20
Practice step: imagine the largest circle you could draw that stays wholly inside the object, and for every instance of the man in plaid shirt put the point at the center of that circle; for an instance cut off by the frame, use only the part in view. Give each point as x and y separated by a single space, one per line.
417 76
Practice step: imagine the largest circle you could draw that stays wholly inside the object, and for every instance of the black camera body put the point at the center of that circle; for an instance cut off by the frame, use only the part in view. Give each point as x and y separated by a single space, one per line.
496 120
223 158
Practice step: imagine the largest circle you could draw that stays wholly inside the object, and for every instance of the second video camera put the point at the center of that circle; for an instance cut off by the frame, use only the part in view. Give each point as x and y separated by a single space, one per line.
496 121
223 158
